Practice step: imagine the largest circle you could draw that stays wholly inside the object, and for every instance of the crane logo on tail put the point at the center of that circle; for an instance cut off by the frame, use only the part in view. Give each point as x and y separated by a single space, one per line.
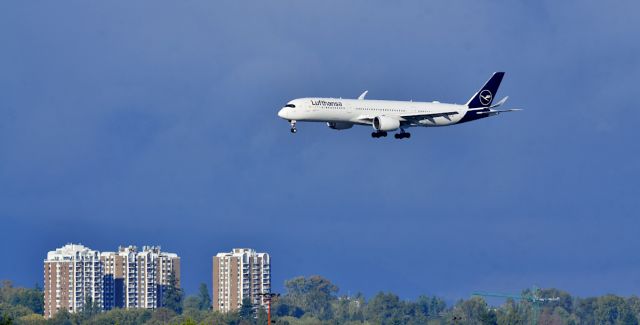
485 97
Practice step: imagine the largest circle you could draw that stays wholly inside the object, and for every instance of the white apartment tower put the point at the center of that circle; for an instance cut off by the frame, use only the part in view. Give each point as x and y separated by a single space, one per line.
138 279
72 275
239 274
125 279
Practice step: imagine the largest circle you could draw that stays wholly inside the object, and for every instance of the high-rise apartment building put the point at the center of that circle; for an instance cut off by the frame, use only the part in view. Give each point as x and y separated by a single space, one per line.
73 276
138 279
240 274
114 276
125 279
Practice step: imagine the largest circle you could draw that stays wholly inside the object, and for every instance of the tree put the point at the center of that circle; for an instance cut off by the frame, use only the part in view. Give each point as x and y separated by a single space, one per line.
584 309
246 310
216 317
509 314
6 290
191 303
33 319
475 311
14 312
189 321
32 299
173 295
204 297
5 320
429 307
285 307
436 306
261 317
341 312
90 308
550 316
132 316
62 317
564 299
313 295
385 308
613 310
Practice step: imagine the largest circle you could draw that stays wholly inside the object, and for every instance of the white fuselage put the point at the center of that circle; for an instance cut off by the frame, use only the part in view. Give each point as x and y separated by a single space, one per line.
390 115
362 111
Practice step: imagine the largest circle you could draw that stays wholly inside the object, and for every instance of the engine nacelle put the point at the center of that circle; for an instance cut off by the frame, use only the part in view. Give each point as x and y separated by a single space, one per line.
339 125
385 123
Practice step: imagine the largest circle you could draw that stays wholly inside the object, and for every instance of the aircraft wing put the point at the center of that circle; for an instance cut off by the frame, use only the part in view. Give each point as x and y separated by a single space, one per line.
415 117
364 120
411 118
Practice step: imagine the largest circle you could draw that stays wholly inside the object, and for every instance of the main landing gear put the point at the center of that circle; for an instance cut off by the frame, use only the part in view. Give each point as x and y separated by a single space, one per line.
378 134
402 135
293 126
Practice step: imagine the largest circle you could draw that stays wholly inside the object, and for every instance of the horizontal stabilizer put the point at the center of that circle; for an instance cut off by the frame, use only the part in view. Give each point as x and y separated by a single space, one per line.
500 103
498 111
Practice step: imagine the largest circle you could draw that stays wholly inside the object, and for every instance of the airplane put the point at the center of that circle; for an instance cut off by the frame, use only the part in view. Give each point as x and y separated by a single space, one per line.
386 116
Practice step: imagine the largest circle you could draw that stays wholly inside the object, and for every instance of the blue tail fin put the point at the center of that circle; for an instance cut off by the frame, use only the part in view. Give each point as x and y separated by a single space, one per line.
484 96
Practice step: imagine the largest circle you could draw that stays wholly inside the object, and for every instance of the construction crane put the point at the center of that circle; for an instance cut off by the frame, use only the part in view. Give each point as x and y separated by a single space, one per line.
533 297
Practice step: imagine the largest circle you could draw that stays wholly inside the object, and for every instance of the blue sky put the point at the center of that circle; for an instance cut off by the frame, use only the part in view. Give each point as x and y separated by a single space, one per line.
154 122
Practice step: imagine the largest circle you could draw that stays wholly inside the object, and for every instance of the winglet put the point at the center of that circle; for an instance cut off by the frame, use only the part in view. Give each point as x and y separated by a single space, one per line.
361 97
500 103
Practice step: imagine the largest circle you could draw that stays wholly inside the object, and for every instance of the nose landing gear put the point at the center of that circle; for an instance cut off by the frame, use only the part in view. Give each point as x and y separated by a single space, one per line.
293 126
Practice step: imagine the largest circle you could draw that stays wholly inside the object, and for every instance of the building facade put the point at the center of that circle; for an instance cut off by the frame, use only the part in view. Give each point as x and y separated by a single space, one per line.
73 277
241 273
127 278
138 279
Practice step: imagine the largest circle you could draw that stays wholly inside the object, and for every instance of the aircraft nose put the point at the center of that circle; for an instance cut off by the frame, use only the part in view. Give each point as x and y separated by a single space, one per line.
283 113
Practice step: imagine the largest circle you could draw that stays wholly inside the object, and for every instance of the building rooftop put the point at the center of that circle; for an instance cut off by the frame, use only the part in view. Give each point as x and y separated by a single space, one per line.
69 251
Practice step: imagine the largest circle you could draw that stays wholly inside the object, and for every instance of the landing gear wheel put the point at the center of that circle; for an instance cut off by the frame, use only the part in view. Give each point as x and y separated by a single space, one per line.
293 126
378 134
402 135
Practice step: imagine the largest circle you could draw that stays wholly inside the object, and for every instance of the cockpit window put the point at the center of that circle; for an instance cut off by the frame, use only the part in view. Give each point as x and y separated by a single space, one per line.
290 105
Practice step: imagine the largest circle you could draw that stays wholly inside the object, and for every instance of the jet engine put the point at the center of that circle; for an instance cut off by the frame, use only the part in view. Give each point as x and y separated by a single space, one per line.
385 123
339 125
